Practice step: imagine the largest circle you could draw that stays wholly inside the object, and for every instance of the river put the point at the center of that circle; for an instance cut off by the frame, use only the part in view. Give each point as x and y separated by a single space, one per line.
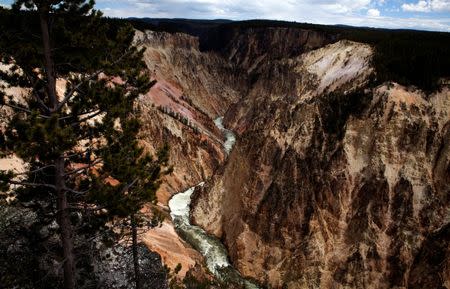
230 138
214 252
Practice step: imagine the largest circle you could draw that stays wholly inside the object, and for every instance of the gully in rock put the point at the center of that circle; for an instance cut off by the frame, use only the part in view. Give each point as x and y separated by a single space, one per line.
210 247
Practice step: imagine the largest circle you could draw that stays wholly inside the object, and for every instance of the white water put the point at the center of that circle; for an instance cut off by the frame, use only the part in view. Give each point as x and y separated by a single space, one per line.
213 251
210 247
230 138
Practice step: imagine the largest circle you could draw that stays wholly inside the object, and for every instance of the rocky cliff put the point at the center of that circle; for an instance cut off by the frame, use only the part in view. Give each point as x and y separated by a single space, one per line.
192 89
334 182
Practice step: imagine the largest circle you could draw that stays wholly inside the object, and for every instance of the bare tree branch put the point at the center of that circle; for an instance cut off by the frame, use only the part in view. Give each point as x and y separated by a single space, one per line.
28 184
78 115
75 191
95 208
81 153
128 186
87 118
34 92
34 171
75 89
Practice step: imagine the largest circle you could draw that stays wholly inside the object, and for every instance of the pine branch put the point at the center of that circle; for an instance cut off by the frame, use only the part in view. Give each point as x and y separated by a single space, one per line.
34 171
92 76
83 168
28 184
78 115
87 118
23 109
75 191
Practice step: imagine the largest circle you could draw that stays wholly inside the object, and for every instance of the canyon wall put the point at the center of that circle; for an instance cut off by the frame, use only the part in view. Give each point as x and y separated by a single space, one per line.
334 182
195 85
191 90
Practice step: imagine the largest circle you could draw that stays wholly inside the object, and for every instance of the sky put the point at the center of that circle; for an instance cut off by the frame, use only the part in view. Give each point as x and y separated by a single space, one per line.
410 14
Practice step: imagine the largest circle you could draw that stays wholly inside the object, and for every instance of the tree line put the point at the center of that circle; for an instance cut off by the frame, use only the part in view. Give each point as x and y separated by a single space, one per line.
409 57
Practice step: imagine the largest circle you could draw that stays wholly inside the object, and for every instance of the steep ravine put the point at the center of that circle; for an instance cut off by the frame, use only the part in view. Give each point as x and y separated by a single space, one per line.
334 183
211 248
192 89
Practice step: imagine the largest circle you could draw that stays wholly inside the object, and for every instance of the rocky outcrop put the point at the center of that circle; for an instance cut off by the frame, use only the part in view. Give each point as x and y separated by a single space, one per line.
253 47
334 182
192 89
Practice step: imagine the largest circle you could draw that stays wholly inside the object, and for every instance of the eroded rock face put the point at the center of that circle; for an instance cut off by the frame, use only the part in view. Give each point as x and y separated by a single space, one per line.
333 184
192 89
252 48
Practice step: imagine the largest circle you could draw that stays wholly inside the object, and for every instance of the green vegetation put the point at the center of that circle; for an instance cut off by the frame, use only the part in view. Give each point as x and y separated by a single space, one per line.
82 146
181 118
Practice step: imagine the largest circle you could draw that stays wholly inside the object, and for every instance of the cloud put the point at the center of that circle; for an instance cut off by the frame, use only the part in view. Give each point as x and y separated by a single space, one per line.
427 6
373 12
236 9
350 12
421 6
440 5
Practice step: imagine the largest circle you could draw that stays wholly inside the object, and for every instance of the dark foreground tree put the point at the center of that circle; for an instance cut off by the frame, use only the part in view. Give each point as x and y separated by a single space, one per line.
138 177
80 145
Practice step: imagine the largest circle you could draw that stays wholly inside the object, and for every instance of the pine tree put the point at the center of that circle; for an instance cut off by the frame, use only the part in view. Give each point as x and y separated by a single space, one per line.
138 175
94 125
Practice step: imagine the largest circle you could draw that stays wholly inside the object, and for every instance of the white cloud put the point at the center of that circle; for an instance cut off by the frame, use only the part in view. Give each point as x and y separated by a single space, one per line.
373 12
427 6
235 8
350 12
440 5
421 6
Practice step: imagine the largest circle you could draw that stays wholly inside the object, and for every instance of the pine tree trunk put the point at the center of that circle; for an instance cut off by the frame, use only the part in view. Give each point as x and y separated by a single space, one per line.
65 227
63 217
49 65
137 276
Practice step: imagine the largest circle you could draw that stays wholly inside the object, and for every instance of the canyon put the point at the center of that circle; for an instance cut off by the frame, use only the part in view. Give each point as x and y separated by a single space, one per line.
335 181
314 173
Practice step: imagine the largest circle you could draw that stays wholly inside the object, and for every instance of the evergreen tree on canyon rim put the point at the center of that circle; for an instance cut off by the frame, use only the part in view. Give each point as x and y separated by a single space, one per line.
77 128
